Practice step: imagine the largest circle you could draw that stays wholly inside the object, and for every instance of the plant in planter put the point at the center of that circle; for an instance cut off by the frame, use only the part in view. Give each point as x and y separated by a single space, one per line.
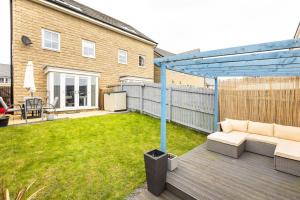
3 120
172 162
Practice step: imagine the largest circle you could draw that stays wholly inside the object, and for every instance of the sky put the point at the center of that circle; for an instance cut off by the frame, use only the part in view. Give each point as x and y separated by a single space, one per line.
182 25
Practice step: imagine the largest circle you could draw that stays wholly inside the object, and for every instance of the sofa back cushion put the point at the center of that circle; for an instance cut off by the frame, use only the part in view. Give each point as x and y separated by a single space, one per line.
261 128
287 132
239 125
226 126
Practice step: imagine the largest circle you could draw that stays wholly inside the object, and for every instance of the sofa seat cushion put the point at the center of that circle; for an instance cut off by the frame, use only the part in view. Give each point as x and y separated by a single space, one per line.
227 138
287 132
245 134
238 125
288 149
262 138
261 128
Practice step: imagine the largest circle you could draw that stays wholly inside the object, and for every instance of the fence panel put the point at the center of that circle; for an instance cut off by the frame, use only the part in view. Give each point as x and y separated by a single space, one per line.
5 94
189 106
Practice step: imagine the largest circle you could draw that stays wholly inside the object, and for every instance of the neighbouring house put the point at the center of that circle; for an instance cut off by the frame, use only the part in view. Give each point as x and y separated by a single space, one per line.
5 75
177 78
76 51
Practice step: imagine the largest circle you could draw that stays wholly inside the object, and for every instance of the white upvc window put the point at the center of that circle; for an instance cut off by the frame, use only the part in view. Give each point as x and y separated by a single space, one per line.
88 49
50 40
142 60
122 56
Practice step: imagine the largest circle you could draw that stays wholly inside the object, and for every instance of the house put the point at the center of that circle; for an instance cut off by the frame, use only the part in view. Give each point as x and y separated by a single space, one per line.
176 78
75 51
5 75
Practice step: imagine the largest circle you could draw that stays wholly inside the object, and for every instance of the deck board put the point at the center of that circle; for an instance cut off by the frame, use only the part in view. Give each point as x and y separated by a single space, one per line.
208 175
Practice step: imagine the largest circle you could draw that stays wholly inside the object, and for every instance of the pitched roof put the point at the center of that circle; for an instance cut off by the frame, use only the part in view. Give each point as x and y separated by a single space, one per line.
96 15
162 52
4 70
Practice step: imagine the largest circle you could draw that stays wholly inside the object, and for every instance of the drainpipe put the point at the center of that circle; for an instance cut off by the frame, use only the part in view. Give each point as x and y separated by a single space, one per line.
11 54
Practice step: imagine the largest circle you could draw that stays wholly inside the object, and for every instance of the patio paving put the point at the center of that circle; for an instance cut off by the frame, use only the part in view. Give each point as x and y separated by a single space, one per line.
202 174
15 121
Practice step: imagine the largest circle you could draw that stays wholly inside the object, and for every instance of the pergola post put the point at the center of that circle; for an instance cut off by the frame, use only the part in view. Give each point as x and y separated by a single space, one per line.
216 105
163 109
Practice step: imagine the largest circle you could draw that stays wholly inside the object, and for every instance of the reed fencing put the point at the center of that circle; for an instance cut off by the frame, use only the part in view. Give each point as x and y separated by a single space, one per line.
189 106
271 100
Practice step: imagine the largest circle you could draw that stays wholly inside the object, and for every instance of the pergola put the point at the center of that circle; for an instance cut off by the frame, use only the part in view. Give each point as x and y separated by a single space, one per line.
266 59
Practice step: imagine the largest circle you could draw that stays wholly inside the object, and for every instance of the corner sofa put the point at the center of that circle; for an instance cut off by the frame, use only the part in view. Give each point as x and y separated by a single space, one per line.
277 141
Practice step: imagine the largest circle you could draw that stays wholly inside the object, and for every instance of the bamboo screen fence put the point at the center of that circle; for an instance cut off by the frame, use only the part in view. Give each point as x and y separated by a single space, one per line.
271 100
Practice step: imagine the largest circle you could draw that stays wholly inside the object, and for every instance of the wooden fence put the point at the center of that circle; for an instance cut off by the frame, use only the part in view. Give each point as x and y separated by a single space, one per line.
189 106
5 94
272 100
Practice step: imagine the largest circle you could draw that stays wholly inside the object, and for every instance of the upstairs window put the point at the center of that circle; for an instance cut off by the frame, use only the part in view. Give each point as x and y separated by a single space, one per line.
142 61
51 40
88 49
122 56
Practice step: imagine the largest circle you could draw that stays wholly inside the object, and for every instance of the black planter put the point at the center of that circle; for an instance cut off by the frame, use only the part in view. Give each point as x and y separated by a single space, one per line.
4 121
156 164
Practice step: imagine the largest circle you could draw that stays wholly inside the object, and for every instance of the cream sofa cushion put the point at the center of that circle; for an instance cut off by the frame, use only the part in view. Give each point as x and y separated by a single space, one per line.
261 128
288 149
226 126
263 138
227 138
287 132
239 133
239 125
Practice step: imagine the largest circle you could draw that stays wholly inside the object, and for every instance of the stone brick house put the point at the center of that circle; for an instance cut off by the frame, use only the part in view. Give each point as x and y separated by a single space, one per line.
75 51
176 78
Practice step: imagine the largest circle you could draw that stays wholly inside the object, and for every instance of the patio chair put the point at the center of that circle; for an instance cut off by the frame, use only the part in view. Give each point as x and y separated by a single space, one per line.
51 107
12 109
33 105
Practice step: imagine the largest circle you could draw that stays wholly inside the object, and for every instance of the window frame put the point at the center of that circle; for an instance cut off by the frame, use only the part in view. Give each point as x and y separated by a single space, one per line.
83 41
119 51
144 57
43 40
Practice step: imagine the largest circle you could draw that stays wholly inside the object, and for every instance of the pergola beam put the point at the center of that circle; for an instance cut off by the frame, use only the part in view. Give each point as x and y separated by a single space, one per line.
263 47
250 57
246 64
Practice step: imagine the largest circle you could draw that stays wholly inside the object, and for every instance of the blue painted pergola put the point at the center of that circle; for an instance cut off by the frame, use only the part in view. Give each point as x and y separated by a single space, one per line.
267 59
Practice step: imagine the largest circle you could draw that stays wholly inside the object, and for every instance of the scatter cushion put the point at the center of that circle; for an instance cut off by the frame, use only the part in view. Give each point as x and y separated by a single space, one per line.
239 125
231 139
287 132
226 126
288 149
261 128
263 138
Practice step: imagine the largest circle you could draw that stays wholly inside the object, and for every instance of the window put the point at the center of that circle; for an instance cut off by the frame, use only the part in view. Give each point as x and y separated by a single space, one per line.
2 80
122 58
93 91
50 40
141 61
88 49
56 91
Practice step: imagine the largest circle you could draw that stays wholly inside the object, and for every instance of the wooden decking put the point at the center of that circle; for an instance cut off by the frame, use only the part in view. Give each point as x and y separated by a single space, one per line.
206 175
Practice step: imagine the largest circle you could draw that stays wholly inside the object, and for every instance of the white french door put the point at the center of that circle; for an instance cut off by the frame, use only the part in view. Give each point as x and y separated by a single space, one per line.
74 91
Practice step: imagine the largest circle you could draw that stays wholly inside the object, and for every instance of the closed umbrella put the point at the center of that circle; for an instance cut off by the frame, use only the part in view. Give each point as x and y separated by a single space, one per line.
29 78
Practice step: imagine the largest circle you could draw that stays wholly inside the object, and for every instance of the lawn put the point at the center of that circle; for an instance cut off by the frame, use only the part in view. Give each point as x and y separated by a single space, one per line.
89 158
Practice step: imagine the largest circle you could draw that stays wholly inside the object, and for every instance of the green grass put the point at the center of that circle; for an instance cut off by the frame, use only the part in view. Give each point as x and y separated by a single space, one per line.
89 158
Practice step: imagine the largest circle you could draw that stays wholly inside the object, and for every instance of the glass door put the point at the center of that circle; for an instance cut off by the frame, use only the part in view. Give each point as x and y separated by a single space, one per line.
83 92
70 91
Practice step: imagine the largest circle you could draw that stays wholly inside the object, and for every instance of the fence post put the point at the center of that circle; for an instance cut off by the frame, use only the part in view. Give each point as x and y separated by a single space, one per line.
170 103
163 110
141 99
216 105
